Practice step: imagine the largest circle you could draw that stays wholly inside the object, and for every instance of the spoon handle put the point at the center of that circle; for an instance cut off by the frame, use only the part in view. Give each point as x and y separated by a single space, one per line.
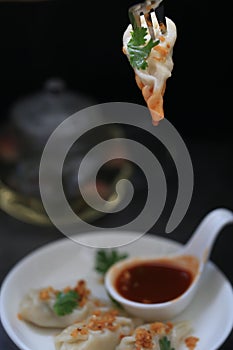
201 242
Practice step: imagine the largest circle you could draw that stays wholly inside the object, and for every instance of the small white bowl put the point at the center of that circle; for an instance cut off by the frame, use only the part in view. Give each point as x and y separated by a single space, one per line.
148 312
199 247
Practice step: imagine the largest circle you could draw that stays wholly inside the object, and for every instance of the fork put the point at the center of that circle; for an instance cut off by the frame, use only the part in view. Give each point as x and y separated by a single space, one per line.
146 8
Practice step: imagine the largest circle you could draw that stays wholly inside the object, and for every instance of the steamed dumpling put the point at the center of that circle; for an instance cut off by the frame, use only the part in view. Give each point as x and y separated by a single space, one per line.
101 331
37 306
149 335
152 80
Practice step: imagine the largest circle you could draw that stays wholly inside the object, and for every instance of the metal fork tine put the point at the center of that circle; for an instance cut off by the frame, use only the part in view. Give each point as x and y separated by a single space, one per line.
149 23
145 8
134 16
160 14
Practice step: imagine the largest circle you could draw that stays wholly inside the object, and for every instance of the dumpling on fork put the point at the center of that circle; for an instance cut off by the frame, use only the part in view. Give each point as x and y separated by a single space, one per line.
151 59
51 308
103 330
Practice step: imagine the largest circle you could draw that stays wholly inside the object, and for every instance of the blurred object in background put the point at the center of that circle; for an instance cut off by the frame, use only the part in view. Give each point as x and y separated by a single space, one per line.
31 121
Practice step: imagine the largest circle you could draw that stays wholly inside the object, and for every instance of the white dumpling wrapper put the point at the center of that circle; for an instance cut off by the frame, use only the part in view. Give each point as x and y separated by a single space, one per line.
41 312
175 335
152 80
104 339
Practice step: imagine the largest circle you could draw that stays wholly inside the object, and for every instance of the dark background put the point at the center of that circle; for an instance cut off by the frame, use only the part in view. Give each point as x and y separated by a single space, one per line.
81 42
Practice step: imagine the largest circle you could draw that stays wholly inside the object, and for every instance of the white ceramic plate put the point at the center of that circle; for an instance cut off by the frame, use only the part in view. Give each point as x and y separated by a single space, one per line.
64 262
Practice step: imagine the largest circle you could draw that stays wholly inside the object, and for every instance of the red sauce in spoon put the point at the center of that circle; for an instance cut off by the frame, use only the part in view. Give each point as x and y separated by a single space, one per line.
153 282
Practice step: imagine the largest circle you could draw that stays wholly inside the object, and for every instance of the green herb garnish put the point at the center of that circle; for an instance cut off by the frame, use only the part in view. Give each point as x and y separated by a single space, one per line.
105 259
165 344
66 302
138 49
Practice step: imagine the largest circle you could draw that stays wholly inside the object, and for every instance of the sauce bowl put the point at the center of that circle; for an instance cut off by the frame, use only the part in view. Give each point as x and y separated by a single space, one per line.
131 281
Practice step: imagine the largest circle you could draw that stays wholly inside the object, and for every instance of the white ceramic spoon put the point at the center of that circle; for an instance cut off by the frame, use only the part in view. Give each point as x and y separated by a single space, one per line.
192 257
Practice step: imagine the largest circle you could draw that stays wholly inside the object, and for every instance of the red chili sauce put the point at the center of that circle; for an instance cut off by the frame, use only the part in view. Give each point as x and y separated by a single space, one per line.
153 282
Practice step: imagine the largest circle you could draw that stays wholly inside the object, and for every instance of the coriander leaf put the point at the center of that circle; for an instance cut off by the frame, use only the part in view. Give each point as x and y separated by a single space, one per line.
165 344
138 36
65 302
138 51
104 259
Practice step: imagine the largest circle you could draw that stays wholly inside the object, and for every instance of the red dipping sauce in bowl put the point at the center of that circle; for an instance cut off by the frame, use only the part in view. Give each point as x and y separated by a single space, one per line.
153 282
153 288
